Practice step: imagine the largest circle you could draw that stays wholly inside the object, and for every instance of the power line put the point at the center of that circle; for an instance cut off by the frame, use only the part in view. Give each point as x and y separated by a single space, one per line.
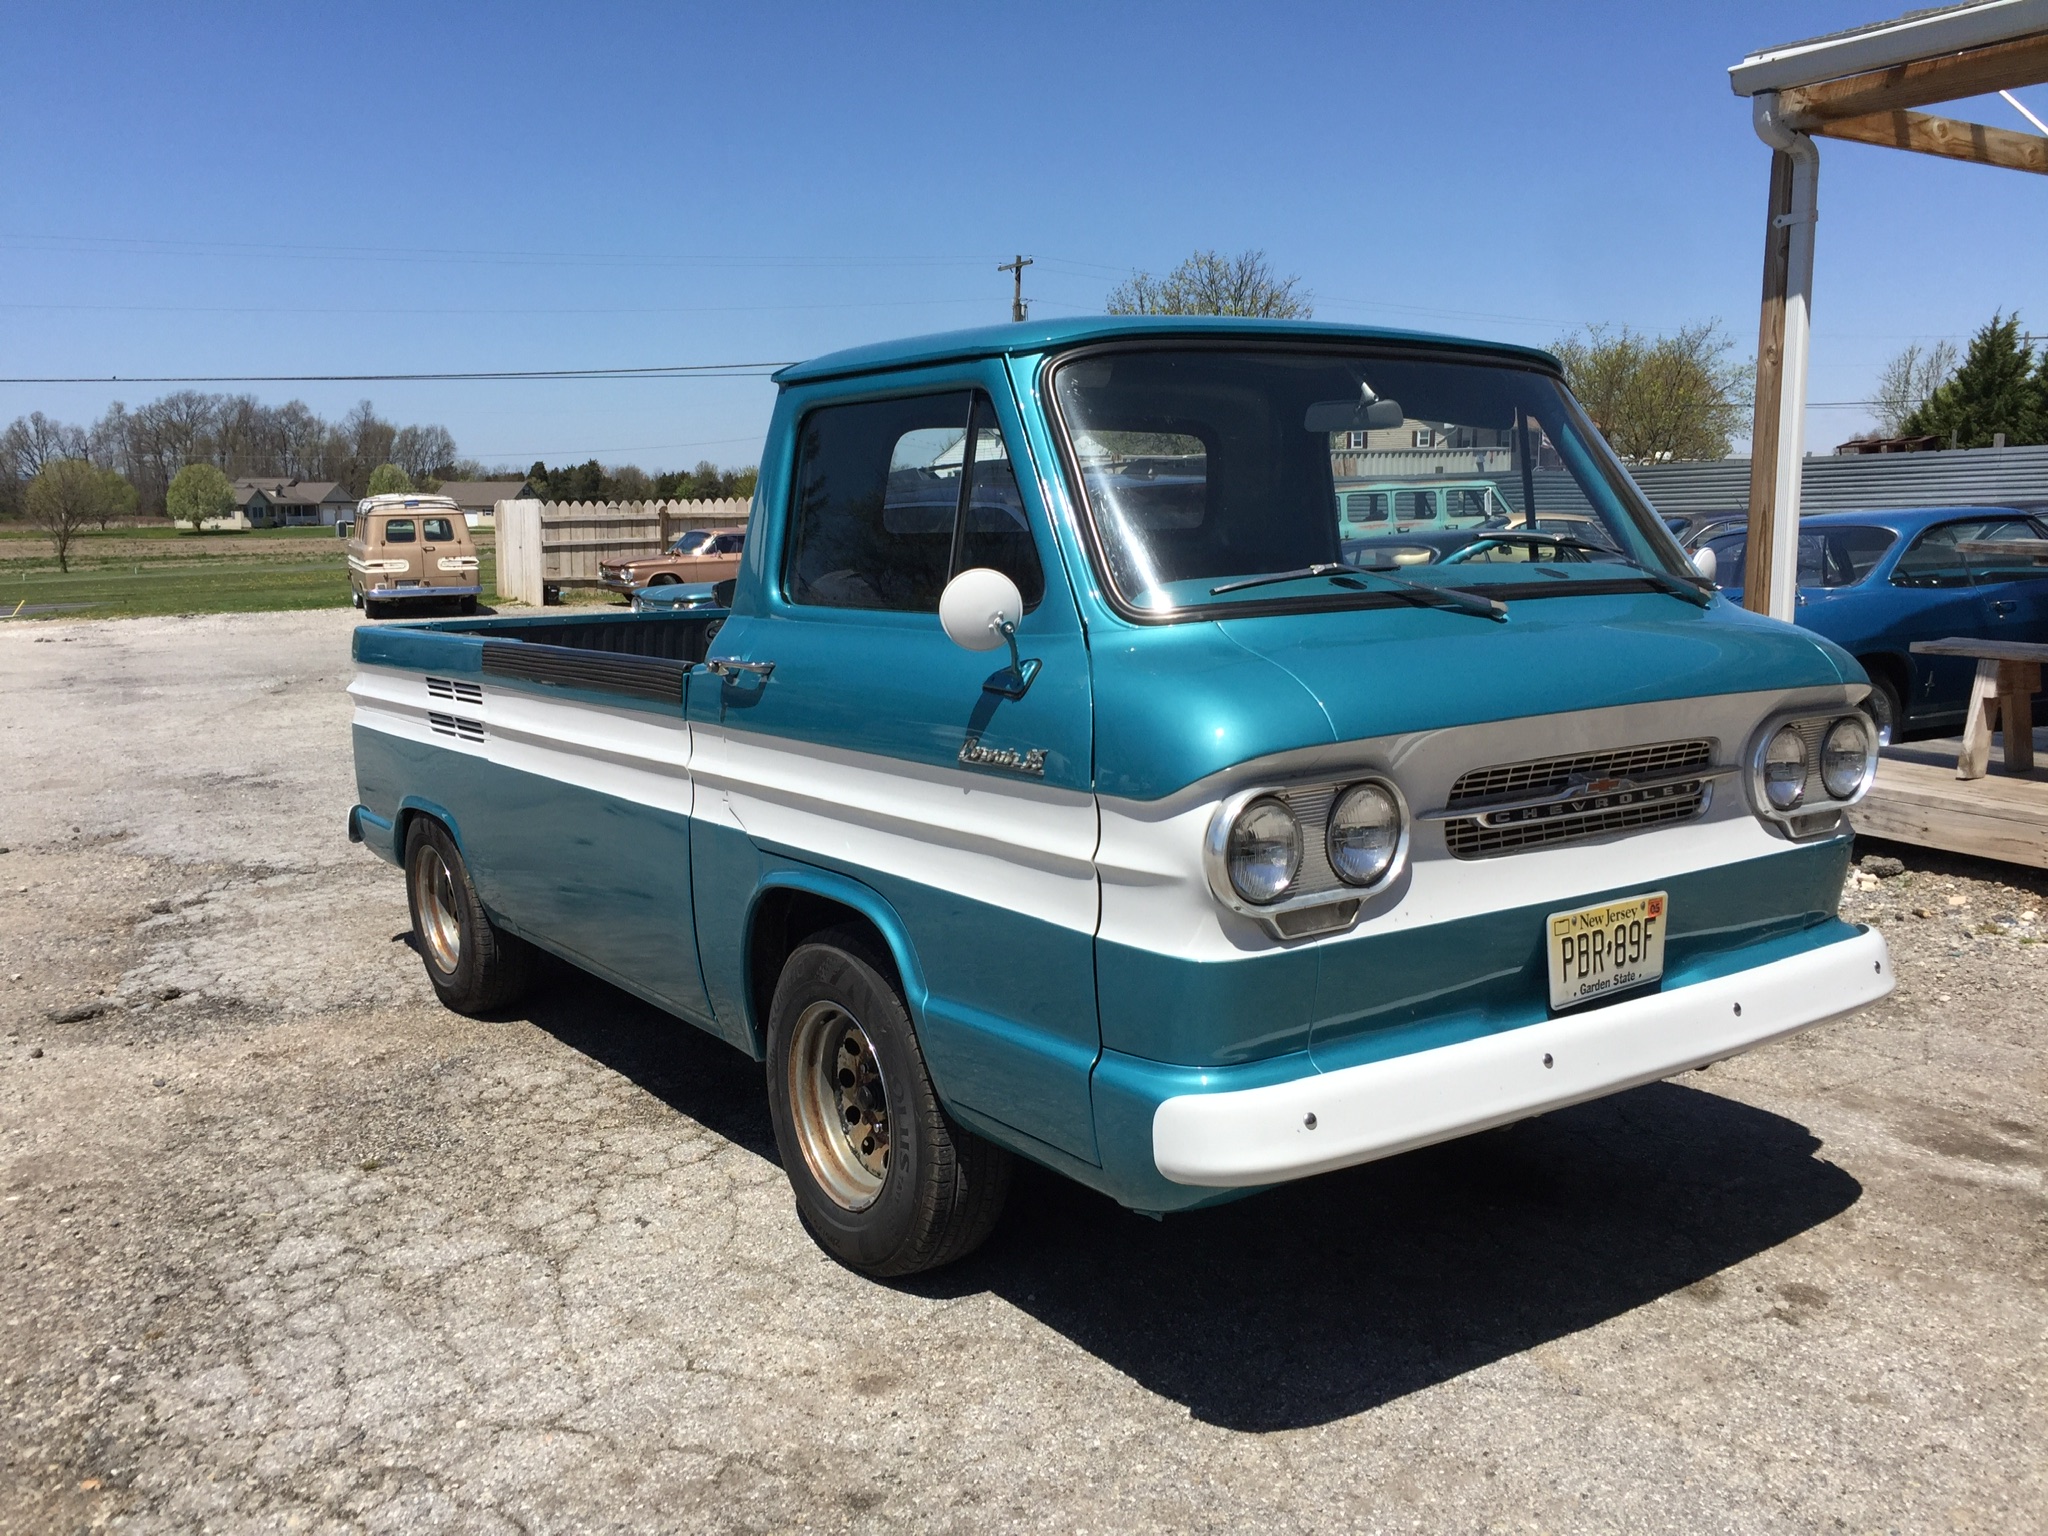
673 371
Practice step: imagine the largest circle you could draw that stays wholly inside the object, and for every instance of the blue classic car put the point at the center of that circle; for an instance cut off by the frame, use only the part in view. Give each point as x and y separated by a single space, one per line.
1054 787
1875 582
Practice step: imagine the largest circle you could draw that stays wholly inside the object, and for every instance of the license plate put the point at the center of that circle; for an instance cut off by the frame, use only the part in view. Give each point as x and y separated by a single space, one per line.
1608 948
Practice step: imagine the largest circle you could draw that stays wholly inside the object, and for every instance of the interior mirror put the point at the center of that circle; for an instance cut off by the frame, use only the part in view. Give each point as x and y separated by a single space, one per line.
980 611
1351 415
1331 416
1706 562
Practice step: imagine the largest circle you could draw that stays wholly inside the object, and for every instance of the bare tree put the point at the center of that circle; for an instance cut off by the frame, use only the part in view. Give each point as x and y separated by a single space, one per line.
1908 380
1663 397
419 451
1209 284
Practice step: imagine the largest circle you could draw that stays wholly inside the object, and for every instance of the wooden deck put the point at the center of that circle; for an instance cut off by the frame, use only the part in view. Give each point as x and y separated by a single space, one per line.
1918 799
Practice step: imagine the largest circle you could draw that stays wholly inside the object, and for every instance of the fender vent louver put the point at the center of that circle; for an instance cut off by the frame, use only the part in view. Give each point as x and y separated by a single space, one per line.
448 688
456 726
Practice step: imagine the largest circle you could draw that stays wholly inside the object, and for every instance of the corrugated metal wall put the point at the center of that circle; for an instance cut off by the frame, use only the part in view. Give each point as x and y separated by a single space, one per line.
1849 482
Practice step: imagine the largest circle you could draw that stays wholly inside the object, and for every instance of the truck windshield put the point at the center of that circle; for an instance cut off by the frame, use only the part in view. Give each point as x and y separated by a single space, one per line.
1203 467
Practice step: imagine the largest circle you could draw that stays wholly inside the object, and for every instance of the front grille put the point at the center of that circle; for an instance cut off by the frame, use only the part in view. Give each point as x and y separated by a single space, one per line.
1470 837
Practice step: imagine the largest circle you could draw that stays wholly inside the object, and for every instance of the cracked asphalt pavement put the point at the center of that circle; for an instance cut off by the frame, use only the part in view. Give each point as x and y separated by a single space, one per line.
284 1246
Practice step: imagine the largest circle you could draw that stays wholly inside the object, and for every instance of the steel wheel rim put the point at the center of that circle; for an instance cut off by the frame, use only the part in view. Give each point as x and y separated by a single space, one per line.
840 1104
433 897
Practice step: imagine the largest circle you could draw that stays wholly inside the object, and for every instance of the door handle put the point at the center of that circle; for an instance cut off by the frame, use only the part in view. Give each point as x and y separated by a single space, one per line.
2003 610
729 670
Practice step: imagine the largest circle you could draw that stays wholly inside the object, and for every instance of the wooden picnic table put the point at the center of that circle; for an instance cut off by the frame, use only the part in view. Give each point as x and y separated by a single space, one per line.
2008 677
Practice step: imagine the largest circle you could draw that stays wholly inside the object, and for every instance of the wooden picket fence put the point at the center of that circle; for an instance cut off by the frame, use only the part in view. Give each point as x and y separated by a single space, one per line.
544 546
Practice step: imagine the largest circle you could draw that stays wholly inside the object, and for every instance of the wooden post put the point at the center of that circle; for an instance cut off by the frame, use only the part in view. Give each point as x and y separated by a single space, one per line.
1770 389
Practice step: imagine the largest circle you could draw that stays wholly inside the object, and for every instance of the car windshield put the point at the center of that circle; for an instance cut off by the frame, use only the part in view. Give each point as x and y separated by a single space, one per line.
692 543
1831 557
1206 467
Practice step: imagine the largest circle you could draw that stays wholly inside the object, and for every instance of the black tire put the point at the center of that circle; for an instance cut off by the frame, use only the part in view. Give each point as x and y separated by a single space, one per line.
355 596
665 580
475 966
372 609
1883 707
940 1187
468 606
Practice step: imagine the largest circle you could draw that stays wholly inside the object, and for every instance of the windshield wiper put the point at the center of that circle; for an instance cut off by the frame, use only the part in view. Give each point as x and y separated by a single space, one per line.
1430 597
1661 580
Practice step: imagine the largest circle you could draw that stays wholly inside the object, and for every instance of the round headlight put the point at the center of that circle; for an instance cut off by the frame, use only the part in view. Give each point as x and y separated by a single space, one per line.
1785 770
1845 757
1365 830
1264 851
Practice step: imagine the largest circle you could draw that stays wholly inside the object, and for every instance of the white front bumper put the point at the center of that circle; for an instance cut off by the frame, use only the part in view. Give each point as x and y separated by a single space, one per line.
1264 1135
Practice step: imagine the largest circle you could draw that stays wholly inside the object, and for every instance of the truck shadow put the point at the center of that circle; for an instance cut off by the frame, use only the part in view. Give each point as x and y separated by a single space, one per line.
1324 1299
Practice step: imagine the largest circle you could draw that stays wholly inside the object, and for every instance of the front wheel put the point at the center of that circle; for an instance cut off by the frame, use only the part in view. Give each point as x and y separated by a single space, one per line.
475 965
1884 709
886 1182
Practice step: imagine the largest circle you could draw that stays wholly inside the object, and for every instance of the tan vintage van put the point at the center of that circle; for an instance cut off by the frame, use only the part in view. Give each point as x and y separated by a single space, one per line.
410 549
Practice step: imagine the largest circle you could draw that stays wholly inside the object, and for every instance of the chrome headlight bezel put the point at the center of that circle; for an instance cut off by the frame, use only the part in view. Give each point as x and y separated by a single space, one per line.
1817 809
1319 901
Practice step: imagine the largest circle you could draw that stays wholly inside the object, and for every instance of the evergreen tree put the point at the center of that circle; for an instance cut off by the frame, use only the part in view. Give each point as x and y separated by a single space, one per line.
1999 388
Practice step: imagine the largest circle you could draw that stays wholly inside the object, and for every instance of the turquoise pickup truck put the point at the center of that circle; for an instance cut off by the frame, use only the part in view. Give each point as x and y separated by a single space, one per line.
1052 788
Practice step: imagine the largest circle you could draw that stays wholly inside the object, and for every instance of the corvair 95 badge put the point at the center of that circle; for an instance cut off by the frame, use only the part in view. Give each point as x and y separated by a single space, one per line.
974 755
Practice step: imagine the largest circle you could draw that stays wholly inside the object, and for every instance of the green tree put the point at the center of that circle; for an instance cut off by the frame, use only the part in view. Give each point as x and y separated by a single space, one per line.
2000 387
1658 398
389 480
199 491
70 493
1209 284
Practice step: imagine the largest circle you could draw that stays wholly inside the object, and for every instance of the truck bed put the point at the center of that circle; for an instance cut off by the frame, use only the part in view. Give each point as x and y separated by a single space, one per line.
639 656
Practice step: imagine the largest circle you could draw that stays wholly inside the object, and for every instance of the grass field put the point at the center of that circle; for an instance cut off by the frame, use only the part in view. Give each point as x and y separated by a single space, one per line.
133 572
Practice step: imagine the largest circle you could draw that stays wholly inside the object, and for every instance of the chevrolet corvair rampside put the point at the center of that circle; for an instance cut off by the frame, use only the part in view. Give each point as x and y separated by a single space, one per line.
1053 787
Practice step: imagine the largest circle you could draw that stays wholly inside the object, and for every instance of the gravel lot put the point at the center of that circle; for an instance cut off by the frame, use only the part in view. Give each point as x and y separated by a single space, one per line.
284 1245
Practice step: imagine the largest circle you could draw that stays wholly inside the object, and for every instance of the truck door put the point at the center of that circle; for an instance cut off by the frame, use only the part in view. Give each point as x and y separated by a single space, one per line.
872 748
1940 601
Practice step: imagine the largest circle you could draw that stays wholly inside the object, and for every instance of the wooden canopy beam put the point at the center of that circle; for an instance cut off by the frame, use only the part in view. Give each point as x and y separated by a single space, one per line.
1951 138
1951 77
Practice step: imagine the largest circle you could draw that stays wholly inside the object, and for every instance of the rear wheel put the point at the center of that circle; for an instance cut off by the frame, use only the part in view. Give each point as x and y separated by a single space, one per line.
886 1182
468 606
665 580
475 966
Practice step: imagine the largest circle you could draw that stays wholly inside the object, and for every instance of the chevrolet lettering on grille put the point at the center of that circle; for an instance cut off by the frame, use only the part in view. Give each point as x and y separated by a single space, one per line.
1589 797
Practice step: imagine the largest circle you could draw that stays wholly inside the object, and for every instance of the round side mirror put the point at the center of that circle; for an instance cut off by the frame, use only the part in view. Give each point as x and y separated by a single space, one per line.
1706 562
979 608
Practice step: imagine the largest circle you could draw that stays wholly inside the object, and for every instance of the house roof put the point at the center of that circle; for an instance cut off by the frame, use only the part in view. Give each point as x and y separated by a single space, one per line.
484 493
282 488
1046 335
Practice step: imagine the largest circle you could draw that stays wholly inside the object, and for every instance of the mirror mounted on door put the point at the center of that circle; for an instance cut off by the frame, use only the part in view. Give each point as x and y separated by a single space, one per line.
1706 562
980 611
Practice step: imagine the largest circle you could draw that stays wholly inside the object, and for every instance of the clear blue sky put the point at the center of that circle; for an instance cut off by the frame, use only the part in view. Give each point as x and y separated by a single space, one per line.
300 189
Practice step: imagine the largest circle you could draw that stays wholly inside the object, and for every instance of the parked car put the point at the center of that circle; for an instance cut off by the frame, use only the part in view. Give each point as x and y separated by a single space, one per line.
1386 507
1124 829
410 551
1691 528
1875 582
697 556
682 597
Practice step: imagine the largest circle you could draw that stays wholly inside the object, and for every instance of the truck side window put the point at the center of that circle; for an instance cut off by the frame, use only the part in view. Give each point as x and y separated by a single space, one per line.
878 496
398 530
996 533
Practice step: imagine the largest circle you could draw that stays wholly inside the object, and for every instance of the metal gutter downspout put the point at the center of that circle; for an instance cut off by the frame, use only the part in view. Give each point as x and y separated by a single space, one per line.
1798 223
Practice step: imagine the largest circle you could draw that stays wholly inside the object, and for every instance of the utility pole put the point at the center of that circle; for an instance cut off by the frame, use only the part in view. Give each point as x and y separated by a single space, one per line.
1016 270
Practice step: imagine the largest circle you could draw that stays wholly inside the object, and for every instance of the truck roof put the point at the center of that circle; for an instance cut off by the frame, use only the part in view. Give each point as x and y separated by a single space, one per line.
1032 336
